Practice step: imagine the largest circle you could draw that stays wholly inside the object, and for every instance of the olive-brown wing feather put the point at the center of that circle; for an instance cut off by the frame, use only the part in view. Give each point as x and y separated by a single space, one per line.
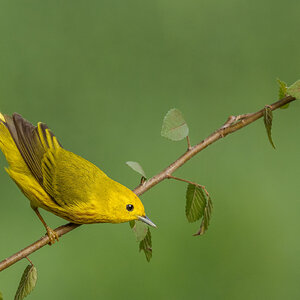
28 139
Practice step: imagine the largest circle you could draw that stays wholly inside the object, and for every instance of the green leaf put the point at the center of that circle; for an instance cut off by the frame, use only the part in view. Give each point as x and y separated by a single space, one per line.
268 118
27 283
146 245
294 90
198 204
174 126
1 297
140 229
282 92
144 237
206 217
136 167
195 203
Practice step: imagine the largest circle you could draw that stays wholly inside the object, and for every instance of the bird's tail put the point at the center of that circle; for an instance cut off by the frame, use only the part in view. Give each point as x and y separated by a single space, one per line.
32 142
9 148
23 146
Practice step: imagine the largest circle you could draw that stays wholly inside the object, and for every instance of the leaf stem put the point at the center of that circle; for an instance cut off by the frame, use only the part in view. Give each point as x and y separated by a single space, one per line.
188 142
190 182
29 261
184 180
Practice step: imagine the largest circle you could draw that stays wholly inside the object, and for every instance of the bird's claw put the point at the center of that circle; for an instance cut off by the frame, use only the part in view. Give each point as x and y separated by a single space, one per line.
52 236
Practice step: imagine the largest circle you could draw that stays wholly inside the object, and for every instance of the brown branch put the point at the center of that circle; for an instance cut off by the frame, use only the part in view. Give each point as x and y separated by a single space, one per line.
233 124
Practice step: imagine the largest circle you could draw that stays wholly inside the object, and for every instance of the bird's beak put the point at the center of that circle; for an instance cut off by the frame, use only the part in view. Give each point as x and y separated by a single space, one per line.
147 221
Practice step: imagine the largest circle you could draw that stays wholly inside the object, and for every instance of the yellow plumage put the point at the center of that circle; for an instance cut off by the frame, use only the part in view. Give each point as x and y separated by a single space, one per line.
60 181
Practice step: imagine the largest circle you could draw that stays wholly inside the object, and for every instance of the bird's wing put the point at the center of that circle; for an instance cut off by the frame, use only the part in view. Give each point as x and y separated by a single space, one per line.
68 178
33 142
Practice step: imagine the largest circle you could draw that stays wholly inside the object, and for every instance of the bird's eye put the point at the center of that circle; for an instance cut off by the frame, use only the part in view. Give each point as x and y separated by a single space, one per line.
129 207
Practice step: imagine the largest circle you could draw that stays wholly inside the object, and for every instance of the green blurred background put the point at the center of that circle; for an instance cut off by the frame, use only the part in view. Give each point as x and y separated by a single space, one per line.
102 75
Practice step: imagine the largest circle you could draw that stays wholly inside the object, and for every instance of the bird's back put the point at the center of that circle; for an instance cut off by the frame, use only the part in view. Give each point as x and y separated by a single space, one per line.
70 179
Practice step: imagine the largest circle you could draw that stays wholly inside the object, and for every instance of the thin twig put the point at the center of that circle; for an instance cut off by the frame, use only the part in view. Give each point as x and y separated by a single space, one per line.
234 119
231 126
230 121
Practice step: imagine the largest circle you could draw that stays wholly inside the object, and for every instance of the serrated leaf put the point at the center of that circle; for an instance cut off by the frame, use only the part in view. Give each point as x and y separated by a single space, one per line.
27 282
268 118
294 90
1 297
198 204
136 167
146 245
206 217
282 91
174 126
195 203
140 229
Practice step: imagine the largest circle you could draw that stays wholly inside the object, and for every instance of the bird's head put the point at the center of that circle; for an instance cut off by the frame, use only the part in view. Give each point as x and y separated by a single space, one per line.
126 206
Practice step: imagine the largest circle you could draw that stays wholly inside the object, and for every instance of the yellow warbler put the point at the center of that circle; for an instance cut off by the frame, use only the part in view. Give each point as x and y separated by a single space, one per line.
62 182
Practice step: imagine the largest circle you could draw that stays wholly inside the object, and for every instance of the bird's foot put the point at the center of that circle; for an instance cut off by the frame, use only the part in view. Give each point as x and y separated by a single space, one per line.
52 236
